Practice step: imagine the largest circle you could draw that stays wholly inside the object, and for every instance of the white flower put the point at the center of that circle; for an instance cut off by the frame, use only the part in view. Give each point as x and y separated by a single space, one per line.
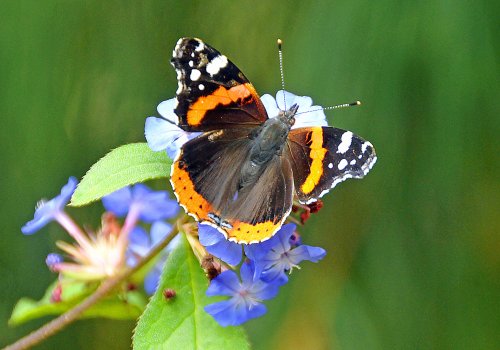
164 134
307 114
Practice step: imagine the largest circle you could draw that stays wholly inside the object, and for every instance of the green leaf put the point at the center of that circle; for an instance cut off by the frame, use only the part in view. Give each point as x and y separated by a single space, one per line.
120 307
181 322
125 165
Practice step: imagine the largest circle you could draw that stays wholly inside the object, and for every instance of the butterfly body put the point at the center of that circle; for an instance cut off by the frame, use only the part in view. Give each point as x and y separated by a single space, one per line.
267 145
243 172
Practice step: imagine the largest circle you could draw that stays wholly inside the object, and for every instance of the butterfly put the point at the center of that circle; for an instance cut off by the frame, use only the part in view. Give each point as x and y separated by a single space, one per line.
244 170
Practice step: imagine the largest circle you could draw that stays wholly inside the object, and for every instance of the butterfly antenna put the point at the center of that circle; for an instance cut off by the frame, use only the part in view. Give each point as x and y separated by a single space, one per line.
355 103
280 54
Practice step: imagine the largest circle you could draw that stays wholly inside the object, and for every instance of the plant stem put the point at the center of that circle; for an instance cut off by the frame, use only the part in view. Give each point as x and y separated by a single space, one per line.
104 290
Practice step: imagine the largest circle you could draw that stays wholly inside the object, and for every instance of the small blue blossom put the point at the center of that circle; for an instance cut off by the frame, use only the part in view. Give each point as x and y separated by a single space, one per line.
48 211
246 296
150 205
163 133
217 245
278 255
140 244
52 260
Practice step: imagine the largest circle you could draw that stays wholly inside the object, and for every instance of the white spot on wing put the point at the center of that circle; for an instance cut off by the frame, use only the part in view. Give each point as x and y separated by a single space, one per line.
201 87
195 75
365 145
346 142
352 162
200 47
215 65
330 165
342 164
191 63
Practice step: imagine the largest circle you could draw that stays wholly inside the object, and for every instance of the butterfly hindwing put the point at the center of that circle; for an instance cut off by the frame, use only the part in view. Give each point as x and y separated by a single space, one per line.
322 157
205 173
261 208
205 178
213 93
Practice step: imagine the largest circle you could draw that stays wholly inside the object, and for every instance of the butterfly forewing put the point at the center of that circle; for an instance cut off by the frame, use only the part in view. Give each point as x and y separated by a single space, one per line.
213 93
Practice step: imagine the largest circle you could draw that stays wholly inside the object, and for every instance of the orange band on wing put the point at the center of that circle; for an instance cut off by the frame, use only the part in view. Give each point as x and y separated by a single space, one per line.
221 96
187 196
243 232
317 155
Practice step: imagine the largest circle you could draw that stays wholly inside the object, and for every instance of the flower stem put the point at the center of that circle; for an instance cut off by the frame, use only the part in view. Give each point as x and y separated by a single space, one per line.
104 290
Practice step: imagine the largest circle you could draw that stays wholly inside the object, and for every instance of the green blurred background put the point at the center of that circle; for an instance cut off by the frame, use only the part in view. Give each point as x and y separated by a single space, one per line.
413 250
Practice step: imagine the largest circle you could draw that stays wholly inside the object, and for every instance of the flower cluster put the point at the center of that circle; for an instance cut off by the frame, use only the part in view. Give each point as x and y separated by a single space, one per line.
106 252
264 270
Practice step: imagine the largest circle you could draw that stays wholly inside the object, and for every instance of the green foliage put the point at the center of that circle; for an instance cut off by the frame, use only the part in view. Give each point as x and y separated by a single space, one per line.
123 166
180 322
126 306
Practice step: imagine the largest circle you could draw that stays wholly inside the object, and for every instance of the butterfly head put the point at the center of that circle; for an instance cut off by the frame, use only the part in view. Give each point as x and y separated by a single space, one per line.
288 116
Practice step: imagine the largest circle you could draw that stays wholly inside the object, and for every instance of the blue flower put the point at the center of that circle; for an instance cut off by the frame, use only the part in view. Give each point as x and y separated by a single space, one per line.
47 211
307 114
52 260
246 296
278 255
217 245
140 244
163 133
150 205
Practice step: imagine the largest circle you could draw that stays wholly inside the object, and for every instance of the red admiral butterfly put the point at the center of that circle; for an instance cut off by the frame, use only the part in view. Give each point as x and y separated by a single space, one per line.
242 172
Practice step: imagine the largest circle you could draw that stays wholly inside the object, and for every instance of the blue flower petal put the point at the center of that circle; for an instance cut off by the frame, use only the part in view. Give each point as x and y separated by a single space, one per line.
166 135
139 237
118 202
217 245
151 281
275 272
283 236
222 312
256 310
226 283
166 110
305 252
247 273
209 235
159 230
265 290
159 133
152 205
53 259
231 313
46 211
